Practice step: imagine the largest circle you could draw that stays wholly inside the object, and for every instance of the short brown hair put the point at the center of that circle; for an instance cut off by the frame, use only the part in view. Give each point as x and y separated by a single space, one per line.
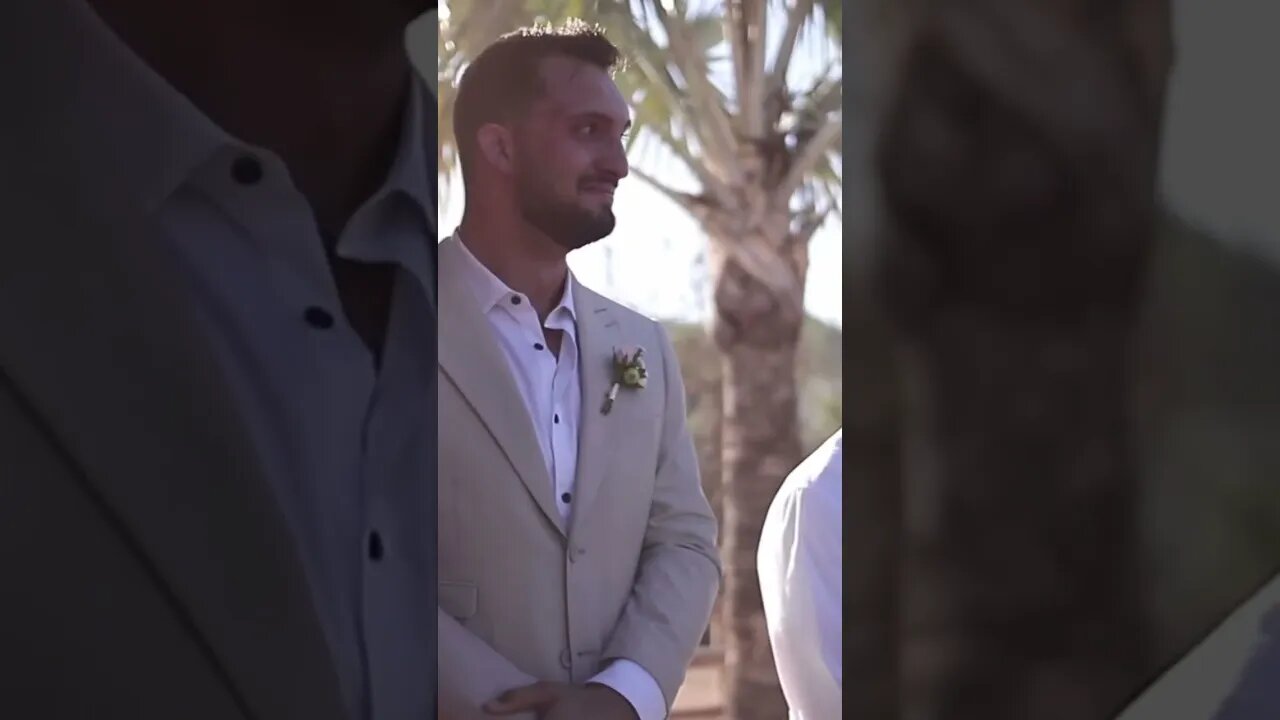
503 81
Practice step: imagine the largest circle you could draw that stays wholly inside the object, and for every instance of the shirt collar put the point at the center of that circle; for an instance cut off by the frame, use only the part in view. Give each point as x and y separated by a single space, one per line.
136 139
410 172
491 292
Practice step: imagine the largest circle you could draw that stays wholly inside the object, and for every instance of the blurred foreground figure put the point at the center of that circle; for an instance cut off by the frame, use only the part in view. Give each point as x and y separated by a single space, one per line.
801 582
1017 159
217 322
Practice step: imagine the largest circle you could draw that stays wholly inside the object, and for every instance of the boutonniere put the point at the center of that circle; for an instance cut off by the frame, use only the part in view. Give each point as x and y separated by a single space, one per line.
628 372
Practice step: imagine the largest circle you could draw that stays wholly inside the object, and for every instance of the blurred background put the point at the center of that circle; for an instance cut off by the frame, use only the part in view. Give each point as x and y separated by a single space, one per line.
1136 458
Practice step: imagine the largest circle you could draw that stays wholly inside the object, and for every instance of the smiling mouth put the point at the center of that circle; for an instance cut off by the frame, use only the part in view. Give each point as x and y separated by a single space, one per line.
599 185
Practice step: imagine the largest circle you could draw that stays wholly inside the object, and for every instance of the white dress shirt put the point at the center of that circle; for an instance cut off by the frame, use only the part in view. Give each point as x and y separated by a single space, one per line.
801 572
347 446
552 394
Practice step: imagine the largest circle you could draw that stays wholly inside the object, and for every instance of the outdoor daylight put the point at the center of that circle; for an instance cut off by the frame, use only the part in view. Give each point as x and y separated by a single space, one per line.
735 246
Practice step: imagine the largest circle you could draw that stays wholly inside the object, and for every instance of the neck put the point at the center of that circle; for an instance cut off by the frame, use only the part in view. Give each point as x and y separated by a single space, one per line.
325 97
520 255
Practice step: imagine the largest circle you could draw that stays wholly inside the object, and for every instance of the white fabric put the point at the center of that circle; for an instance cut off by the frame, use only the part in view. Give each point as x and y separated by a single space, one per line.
552 393
801 572
548 384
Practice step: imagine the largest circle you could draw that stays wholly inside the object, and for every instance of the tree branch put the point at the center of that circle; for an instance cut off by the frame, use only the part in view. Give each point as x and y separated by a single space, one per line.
653 62
807 157
799 12
684 200
711 184
747 25
810 225
717 136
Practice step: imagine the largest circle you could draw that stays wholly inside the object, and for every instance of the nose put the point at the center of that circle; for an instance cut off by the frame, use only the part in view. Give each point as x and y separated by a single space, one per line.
615 162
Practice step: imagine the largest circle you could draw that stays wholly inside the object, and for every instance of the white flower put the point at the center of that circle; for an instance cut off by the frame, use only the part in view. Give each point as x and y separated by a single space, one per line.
628 371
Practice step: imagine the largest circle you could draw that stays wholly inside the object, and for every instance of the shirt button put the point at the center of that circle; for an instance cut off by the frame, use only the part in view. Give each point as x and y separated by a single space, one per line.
318 317
537 346
556 418
375 546
515 299
566 498
246 170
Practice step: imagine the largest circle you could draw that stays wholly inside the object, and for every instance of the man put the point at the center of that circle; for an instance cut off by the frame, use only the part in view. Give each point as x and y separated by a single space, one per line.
216 322
799 561
576 546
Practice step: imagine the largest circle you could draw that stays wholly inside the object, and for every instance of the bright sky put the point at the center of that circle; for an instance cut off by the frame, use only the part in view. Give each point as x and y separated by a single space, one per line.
652 261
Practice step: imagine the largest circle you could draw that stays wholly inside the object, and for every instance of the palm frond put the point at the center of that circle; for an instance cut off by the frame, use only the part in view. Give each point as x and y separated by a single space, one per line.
672 49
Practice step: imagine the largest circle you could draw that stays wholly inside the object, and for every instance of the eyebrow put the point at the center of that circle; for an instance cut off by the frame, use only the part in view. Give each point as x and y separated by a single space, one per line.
592 115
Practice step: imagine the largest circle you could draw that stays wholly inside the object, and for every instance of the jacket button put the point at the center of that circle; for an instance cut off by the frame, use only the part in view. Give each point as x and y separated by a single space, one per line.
564 659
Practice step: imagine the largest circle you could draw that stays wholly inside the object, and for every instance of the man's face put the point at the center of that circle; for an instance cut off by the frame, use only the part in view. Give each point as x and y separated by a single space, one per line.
569 153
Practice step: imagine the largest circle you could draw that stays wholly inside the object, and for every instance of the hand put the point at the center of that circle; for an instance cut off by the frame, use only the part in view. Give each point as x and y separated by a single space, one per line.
562 701
538 697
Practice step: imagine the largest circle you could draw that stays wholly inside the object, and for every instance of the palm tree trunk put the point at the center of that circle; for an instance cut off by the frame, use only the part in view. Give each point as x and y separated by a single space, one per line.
758 341
1021 217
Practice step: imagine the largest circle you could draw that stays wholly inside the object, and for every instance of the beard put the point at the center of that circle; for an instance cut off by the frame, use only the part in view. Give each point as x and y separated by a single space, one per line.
569 225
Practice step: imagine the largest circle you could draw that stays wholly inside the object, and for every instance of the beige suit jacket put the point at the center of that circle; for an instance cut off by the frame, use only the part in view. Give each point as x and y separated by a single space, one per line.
635 573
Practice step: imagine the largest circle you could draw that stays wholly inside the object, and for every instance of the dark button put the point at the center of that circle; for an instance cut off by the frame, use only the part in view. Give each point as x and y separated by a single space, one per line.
537 346
375 545
566 498
318 318
556 418
246 170
515 299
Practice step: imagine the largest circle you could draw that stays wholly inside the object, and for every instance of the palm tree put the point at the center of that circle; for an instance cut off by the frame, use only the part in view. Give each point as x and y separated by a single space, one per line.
1018 167
714 90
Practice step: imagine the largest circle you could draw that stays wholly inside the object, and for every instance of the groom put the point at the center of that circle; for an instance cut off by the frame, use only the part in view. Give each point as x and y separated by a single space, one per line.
575 545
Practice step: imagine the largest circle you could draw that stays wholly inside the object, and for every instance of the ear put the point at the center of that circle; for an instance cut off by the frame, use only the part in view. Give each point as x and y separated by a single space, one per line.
497 145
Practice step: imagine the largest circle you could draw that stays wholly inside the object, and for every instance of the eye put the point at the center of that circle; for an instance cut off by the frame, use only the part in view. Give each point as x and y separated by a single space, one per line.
587 129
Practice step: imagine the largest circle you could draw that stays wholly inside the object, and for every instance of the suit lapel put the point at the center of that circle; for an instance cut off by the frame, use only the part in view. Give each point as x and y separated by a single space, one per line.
472 360
598 433
96 335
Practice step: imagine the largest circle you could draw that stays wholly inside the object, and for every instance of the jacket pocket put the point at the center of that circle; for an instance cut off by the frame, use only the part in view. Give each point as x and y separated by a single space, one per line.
457 599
